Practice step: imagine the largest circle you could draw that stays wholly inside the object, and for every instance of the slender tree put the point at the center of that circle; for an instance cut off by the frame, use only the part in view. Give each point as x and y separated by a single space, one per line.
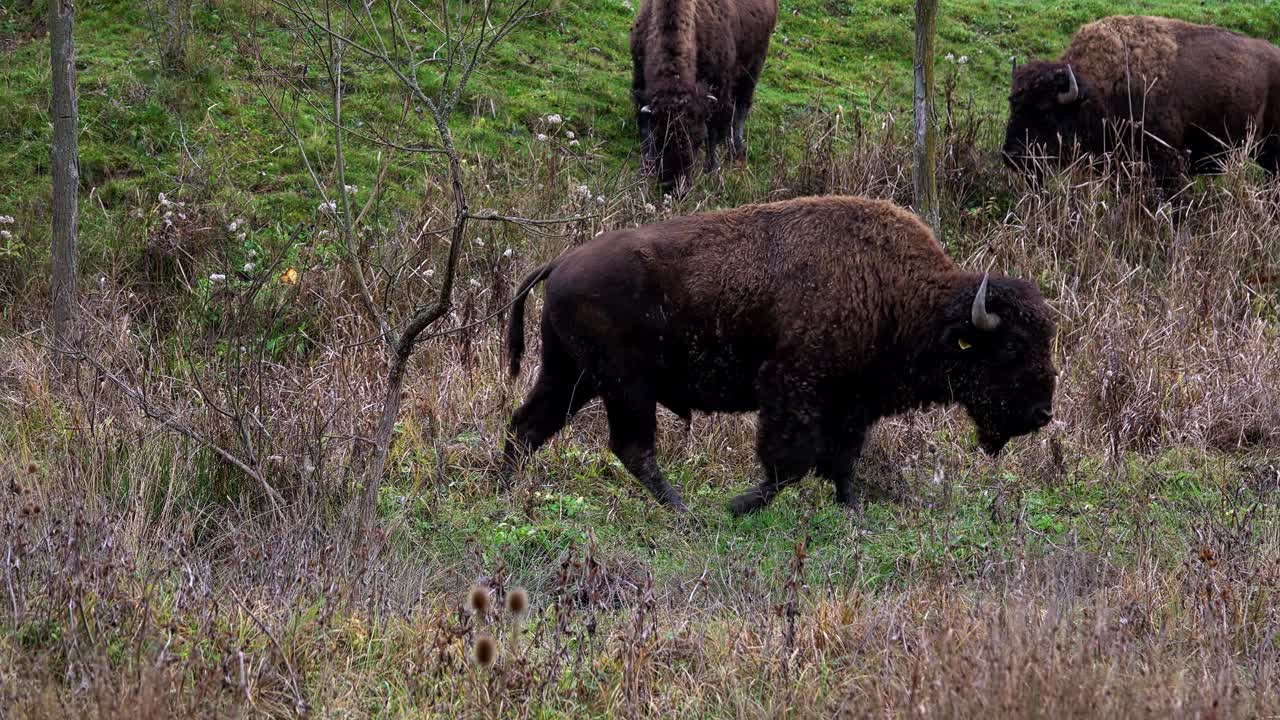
66 175
925 171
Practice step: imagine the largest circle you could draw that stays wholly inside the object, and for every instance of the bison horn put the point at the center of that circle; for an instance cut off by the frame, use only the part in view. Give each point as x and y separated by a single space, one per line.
1073 89
646 110
712 98
982 319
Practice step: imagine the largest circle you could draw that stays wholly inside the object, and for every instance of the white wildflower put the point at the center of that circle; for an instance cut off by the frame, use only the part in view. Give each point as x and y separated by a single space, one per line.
5 234
600 199
649 208
235 224
950 57
541 137
241 237
163 200
569 134
507 253
473 283
6 219
573 143
329 206
249 267
554 119
963 59
582 191
217 278
351 189
430 273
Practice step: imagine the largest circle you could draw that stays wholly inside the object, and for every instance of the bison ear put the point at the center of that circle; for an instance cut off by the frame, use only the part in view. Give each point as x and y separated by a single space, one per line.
959 337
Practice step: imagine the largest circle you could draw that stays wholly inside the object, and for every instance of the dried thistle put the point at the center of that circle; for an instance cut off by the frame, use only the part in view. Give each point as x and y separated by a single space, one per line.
518 601
479 600
486 651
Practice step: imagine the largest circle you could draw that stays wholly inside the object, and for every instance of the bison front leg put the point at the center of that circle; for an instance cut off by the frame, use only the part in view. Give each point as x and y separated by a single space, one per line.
841 449
789 445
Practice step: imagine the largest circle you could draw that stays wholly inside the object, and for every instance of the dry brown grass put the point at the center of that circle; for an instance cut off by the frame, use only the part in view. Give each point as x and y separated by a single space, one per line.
142 577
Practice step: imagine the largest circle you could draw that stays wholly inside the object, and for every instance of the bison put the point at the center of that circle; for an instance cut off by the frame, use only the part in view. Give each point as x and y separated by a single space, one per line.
1180 94
694 72
824 314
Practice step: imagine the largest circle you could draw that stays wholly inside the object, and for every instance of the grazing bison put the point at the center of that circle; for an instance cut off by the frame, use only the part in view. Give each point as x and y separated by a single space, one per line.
695 65
1180 92
825 314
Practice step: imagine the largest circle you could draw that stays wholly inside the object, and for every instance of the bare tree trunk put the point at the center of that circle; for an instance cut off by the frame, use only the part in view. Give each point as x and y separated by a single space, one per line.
66 177
924 174
420 321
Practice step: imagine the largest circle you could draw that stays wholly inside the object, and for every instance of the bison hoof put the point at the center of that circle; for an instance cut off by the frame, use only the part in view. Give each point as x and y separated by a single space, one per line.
848 497
746 503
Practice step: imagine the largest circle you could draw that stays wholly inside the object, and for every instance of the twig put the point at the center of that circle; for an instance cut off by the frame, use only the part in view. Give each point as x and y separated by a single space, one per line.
178 425
300 703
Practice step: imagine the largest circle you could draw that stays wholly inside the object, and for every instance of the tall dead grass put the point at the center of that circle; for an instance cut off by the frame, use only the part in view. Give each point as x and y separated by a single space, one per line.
143 575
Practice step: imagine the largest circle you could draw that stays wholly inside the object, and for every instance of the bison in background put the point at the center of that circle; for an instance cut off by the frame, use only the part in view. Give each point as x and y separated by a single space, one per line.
824 314
1179 94
695 64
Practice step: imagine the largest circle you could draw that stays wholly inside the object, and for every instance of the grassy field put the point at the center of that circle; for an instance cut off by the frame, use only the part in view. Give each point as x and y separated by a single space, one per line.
1123 563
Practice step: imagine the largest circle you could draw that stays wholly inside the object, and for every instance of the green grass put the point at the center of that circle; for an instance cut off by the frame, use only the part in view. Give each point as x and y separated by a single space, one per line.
361 631
210 134
579 493
138 123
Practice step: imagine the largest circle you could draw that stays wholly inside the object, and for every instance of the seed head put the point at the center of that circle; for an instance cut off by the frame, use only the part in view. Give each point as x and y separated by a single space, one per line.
486 651
518 601
478 600
32 468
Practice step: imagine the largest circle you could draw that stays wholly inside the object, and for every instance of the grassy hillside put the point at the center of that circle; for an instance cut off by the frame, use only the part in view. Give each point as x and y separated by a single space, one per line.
139 122
1124 562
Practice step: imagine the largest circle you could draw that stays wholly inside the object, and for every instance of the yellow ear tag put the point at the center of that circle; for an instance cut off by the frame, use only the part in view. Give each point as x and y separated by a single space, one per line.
965 344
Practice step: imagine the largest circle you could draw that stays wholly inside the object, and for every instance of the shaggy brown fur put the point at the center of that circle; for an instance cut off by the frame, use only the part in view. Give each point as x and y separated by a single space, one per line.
1197 89
695 64
825 314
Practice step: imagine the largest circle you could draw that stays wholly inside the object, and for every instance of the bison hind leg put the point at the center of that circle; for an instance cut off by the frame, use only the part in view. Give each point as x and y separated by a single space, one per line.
742 99
632 429
556 397
1269 157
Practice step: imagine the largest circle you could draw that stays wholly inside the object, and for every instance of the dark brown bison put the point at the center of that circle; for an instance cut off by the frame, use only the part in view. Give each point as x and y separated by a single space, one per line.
694 72
824 314
1180 94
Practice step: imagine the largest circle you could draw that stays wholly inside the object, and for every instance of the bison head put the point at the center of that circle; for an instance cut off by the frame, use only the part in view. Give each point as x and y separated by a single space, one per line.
998 339
1049 111
675 127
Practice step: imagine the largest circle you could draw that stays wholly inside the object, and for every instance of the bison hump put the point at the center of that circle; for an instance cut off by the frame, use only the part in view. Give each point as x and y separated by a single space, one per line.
1122 52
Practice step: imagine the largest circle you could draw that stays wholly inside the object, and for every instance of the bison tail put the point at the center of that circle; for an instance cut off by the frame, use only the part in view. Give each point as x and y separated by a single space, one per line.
515 329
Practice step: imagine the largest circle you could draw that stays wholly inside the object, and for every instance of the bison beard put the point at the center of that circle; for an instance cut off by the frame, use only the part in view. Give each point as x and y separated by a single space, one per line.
824 314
